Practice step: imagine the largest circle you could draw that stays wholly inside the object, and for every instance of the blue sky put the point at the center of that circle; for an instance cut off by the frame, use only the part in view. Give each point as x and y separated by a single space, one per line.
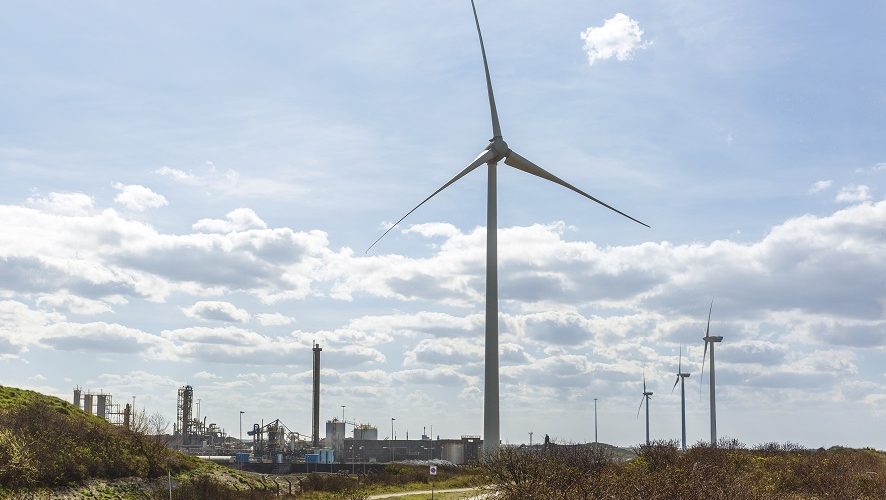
188 191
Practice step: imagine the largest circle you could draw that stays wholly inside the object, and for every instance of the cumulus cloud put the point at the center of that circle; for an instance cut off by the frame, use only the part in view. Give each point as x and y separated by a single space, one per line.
240 219
229 182
619 37
820 186
67 302
853 194
273 319
62 203
138 198
213 310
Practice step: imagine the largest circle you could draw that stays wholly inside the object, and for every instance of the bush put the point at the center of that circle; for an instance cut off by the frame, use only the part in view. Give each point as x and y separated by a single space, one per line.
662 471
47 442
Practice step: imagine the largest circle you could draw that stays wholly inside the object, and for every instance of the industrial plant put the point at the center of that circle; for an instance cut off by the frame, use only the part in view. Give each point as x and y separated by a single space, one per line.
275 447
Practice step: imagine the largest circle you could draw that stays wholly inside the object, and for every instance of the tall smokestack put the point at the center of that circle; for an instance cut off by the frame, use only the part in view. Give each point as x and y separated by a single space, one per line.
315 425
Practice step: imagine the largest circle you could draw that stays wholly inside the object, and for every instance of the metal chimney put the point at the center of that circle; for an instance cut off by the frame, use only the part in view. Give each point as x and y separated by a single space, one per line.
315 423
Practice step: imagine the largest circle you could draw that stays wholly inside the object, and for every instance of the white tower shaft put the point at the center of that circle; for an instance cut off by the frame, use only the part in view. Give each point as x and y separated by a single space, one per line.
713 383
491 434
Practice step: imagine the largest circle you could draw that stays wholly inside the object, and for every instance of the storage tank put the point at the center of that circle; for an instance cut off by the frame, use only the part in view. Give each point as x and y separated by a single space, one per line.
366 432
335 435
454 451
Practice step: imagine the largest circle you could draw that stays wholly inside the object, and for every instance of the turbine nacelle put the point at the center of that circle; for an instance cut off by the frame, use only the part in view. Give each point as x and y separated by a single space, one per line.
499 147
712 338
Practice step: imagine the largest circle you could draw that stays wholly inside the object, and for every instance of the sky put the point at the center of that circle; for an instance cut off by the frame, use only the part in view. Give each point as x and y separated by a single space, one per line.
188 191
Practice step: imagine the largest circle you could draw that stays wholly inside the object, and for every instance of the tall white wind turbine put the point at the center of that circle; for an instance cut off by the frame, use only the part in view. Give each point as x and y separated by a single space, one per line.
646 396
709 339
681 379
497 150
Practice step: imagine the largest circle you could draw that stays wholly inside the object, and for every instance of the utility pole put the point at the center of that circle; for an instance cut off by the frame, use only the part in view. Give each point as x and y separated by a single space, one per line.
595 421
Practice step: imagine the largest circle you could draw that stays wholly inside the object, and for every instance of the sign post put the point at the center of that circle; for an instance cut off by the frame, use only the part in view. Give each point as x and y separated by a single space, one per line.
433 471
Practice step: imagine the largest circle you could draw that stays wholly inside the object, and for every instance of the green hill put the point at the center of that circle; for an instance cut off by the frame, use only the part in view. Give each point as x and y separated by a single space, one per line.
45 441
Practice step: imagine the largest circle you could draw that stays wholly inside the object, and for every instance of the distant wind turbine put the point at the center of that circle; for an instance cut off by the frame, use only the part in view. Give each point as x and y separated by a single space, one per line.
497 150
646 396
681 379
709 339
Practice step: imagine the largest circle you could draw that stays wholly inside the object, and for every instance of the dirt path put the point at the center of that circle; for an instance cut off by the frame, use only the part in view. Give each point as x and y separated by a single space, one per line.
424 492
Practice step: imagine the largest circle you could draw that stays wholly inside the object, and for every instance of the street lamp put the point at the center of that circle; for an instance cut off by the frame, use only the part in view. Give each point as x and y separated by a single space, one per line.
241 428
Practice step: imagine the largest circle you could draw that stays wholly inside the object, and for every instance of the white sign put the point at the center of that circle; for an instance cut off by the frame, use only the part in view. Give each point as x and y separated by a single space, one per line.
433 470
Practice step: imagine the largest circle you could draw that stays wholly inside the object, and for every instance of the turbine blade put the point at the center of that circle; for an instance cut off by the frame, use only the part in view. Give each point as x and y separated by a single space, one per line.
644 380
484 157
675 383
641 406
496 129
707 330
515 160
680 362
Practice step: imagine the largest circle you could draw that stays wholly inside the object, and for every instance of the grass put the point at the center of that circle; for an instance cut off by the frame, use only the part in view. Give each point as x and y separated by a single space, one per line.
50 447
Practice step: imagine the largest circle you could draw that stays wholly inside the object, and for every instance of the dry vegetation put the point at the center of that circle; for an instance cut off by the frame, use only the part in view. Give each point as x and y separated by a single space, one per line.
662 471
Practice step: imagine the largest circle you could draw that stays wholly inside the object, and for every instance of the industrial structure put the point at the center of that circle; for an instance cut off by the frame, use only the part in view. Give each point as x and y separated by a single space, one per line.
102 405
315 408
276 448
194 435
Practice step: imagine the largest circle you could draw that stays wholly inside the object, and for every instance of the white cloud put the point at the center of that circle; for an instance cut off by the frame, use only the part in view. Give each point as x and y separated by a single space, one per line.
878 167
230 182
619 37
213 310
273 319
63 203
240 219
853 194
63 301
820 186
138 198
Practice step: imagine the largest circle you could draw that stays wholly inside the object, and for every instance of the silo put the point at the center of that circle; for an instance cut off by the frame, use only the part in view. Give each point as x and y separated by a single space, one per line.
77 397
366 432
101 409
335 435
87 403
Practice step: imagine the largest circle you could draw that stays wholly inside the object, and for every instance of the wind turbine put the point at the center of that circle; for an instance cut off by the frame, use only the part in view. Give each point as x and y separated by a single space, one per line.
646 396
497 150
709 339
681 379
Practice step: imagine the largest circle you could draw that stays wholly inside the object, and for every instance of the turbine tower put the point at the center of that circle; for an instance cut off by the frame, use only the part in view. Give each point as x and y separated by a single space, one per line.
497 150
709 339
646 396
681 379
